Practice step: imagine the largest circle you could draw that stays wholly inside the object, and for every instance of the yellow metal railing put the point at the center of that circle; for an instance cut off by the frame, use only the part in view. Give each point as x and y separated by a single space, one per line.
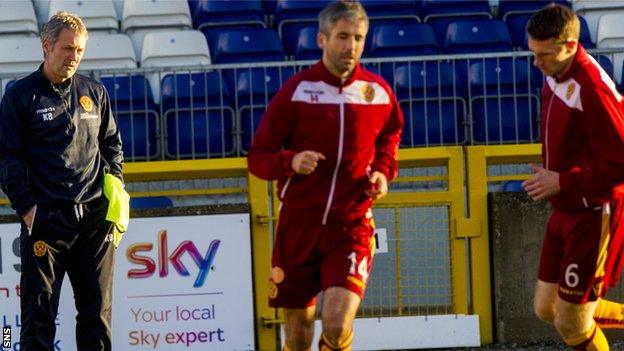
478 158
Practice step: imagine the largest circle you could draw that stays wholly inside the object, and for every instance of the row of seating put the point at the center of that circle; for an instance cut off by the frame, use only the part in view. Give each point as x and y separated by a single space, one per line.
201 114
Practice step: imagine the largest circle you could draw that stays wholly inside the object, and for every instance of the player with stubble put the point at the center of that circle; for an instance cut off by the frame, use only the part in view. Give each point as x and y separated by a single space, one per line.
330 138
582 131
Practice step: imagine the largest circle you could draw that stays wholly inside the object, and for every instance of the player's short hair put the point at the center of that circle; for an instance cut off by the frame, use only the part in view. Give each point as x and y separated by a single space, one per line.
60 20
351 11
554 22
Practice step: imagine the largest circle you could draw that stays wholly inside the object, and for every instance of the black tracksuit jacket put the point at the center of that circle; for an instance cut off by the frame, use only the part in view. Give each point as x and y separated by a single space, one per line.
56 141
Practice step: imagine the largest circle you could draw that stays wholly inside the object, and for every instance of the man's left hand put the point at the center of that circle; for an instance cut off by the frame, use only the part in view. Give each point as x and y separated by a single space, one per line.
543 184
380 186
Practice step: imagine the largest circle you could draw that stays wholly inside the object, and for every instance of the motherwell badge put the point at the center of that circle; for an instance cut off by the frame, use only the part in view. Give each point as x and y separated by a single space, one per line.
86 103
570 90
40 248
368 92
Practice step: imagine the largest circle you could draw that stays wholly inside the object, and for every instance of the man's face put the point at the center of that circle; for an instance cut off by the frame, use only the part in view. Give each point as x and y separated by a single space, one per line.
62 59
552 56
343 47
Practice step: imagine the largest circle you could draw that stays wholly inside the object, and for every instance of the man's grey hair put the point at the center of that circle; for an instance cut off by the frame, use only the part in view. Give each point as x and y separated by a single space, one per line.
60 20
351 11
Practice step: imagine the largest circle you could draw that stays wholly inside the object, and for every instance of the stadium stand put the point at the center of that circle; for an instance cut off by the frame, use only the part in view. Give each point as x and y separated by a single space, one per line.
19 55
198 115
137 115
610 36
17 18
228 13
150 202
503 103
432 103
439 13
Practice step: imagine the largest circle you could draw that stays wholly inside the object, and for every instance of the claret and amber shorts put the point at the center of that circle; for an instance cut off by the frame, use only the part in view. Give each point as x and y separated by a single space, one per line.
582 252
309 257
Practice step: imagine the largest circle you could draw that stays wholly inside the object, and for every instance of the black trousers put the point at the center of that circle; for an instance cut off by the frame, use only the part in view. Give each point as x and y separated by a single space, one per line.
72 239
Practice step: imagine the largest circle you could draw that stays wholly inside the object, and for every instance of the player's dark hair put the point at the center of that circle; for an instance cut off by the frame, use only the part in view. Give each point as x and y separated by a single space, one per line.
554 22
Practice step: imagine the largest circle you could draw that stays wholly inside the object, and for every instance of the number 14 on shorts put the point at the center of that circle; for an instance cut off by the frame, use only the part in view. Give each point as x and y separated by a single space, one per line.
362 267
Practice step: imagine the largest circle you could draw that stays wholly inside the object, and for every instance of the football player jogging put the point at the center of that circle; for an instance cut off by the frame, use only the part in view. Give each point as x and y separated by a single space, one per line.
582 130
330 138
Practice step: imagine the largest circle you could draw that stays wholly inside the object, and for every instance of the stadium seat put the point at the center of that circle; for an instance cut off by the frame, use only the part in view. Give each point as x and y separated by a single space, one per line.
17 18
20 55
108 51
510 8
592 10
610 36
606 64
137 115
391 9
439 13
254 90
174 49
513 186
156 14
197 114
395 40
209 13
150 202
307 47
248 45
477 36
99 16
503 103
403 40
432 103
291 16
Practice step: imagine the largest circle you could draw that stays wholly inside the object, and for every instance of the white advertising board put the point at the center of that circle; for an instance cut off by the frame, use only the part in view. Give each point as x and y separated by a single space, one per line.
181 283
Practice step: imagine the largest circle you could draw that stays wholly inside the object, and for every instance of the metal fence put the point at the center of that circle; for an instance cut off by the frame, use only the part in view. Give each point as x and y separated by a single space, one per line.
212 111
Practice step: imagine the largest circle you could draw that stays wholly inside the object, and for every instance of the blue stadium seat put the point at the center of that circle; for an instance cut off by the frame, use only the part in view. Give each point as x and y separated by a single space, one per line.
391 9
517 28
150 202
513 186
403 40
439 13
510 8
248 45
503 103
432 103
254 89
606 64
137 115
307 47
477 36
209 13
291 16
197 115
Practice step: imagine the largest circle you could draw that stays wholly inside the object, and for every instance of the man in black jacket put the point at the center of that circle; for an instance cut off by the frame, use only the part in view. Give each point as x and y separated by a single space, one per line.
58 139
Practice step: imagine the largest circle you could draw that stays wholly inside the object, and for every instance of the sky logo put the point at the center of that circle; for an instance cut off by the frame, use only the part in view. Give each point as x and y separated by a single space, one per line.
204 263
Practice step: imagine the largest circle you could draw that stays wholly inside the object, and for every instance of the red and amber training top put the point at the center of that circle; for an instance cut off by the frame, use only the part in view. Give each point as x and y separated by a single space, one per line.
582 129
355 124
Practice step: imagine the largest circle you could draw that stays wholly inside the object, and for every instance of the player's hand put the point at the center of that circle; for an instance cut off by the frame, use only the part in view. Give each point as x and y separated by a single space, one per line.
29 217
380 186
305 162
543 184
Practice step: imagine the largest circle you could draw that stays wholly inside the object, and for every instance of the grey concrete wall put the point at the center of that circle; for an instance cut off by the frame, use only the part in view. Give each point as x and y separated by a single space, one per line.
517 226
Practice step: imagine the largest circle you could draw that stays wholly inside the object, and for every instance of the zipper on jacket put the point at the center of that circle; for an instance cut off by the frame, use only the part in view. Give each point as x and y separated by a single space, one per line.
63 100
338 160
547 158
